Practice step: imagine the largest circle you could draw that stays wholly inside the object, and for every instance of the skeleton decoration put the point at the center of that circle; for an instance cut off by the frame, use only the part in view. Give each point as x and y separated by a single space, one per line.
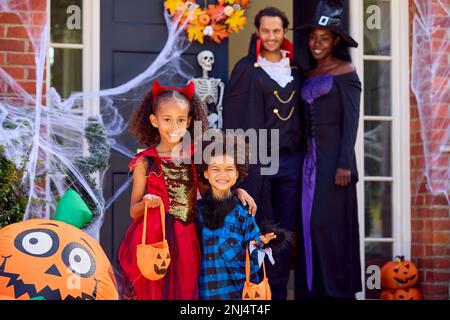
210 90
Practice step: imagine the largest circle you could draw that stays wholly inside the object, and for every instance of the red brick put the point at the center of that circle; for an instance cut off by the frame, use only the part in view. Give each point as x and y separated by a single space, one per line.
441 225
15 73
29 87
38 5
439 9
20 59
416 150
17 32
2 59
441 263
417 250
440 212
38 19
7 17
434 290
440 199
442 238
424 212
12 45
437 250
422 237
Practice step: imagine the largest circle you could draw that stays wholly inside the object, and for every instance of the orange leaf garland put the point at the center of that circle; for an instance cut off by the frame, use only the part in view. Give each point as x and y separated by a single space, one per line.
216 21
236 21
216 12
195 32
220 33
174 5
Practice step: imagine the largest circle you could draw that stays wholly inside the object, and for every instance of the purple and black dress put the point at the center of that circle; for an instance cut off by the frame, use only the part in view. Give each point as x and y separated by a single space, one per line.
330 213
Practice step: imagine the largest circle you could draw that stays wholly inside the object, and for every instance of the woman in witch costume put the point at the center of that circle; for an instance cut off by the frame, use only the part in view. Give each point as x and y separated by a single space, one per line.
331 94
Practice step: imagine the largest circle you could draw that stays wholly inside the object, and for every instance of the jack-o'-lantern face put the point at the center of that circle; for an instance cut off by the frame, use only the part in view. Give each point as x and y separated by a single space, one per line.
153 260
259 291
387 295
408 294
399 274
55 261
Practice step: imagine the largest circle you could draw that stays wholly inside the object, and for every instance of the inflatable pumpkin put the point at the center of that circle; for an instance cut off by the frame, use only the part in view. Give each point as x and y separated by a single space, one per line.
53 260
399 274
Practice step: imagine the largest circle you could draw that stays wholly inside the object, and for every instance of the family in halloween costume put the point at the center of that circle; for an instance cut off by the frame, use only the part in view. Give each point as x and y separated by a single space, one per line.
216 248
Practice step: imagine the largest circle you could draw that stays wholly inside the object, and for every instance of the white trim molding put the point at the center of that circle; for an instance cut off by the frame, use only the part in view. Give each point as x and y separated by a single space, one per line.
400 128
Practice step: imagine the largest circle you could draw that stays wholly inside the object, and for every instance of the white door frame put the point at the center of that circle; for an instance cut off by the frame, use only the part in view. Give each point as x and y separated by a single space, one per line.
400 132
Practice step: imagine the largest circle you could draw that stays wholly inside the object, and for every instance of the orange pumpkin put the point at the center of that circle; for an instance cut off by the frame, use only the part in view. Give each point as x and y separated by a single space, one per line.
255 291
387 295
55 261
408 294
204 19
399 274
153 259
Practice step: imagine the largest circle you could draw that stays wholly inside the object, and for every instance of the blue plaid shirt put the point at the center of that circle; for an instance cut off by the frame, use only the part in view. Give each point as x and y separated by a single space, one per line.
222 271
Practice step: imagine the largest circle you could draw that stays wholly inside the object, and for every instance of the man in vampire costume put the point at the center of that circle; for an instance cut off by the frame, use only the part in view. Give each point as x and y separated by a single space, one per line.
263 93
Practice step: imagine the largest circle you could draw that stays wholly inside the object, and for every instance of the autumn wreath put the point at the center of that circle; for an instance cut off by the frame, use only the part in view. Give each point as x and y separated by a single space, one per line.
216 21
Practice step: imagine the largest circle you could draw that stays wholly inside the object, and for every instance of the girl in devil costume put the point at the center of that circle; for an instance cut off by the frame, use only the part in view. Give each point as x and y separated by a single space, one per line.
160 122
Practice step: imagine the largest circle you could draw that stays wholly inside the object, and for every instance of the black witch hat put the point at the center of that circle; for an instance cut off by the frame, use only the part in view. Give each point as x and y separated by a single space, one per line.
329 15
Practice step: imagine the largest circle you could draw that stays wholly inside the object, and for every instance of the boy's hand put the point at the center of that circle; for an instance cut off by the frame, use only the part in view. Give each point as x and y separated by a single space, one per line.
245 198
152 200
265 238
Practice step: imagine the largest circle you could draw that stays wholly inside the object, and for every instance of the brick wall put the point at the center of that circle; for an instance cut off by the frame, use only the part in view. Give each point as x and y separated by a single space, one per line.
430 212
16 49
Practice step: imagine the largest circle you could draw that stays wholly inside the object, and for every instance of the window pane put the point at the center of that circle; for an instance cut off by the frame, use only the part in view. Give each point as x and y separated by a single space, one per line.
377 148
377 254
377 27
378 209
66 70
377 88
66 21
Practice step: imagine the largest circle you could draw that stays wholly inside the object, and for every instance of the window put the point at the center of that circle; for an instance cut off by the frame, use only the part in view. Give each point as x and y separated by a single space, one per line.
382 60
73 55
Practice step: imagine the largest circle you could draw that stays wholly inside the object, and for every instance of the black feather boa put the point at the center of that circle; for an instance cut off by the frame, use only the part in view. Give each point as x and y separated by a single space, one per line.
215 210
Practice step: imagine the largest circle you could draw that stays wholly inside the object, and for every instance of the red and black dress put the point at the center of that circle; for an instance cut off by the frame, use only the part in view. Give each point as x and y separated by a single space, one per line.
176 184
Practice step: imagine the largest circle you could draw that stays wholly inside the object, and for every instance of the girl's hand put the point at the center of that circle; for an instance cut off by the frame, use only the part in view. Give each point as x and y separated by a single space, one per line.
152 201
265 239
343 177
246 198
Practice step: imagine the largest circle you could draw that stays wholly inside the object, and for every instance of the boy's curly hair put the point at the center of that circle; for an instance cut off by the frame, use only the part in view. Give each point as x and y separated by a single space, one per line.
144 131
218 146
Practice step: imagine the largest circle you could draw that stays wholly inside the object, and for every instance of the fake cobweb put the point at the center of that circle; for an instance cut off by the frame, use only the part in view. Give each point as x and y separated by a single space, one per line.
430 85
61 146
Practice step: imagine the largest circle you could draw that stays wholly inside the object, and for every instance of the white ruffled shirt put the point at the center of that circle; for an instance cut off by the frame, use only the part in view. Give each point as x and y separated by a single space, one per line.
279 71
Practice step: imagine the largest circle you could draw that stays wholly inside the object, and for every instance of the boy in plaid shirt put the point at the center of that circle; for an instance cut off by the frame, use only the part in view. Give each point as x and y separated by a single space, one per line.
225 226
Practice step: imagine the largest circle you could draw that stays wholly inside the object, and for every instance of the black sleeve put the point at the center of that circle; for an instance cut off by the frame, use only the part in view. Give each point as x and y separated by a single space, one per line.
244 99
350 90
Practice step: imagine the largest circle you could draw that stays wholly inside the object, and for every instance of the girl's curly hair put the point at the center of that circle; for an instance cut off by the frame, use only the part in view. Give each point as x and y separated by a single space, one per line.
240 153
148 135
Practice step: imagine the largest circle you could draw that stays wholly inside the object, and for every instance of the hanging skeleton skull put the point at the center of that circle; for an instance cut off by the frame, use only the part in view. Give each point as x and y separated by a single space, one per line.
210 90
206 60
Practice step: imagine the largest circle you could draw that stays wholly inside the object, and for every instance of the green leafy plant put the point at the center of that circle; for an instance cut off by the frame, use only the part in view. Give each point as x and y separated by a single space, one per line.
13 199
96 162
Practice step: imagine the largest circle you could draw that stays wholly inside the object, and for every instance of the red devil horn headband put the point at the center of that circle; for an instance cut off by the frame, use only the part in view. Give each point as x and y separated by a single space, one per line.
187 91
